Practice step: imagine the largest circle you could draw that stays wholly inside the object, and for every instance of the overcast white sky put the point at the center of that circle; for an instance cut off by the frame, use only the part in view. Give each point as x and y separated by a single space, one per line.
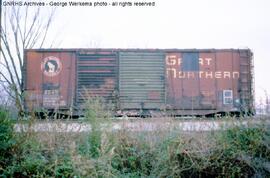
173 24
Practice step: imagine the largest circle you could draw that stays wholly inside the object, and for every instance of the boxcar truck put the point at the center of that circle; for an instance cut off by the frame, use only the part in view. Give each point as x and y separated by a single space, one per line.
140 81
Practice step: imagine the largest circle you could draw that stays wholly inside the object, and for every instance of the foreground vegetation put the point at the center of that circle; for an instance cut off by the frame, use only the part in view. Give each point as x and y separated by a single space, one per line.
239 151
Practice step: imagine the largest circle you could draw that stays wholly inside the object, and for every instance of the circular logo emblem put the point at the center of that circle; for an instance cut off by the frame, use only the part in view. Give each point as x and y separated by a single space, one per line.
51 66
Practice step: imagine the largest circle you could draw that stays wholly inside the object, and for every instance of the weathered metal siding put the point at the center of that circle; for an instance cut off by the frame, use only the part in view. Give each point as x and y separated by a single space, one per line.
173 83
33 80
246 82
96 75
224 64
183 83
189 81
141 80
49 79
207 87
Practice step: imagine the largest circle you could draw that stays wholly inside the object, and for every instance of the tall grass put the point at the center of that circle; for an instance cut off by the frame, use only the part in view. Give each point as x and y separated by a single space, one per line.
165 151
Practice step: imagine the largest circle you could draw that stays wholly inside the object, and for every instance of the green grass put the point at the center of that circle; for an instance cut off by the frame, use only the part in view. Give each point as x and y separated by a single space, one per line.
238 151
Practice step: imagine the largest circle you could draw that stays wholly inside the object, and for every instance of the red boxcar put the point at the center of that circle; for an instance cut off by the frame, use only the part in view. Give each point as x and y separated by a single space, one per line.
178 81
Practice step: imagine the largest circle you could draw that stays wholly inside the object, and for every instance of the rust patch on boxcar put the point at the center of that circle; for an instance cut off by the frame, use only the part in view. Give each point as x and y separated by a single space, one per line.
50 79
96 75
198 80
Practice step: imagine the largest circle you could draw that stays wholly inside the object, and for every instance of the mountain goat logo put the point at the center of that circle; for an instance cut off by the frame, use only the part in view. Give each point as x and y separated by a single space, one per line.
51 66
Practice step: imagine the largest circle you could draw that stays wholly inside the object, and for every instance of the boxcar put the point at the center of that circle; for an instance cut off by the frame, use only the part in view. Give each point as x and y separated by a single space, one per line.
175 81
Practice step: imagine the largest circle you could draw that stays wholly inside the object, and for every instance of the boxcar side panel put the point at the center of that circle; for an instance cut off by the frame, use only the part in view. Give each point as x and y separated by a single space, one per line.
236 79
190 82
208 81
246 83
208 84
223 64
96 75
33 80
141 80
174 91
186 81
189 75
50 79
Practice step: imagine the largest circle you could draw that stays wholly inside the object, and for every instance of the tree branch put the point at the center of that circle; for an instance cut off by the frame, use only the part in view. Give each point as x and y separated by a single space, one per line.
7 91
34 22
11 59
8 68
47 27
15 32
20 30
6 79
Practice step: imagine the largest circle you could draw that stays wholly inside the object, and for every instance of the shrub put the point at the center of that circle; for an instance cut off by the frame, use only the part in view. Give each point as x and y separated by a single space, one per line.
64 167
239 151
7 140
132 156
243 151
97 114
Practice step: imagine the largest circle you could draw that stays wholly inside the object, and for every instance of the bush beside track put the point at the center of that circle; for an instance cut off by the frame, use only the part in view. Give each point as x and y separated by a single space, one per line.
238 151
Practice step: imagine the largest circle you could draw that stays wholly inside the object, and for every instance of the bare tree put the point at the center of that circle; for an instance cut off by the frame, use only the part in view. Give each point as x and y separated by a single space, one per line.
22 27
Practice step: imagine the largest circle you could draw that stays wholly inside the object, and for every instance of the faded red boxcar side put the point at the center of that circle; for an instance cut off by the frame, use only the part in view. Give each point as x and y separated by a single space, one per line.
49 79
197 81
216 84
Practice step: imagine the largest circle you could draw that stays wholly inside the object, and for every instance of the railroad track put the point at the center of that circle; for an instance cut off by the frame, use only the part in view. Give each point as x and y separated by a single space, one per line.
138 125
